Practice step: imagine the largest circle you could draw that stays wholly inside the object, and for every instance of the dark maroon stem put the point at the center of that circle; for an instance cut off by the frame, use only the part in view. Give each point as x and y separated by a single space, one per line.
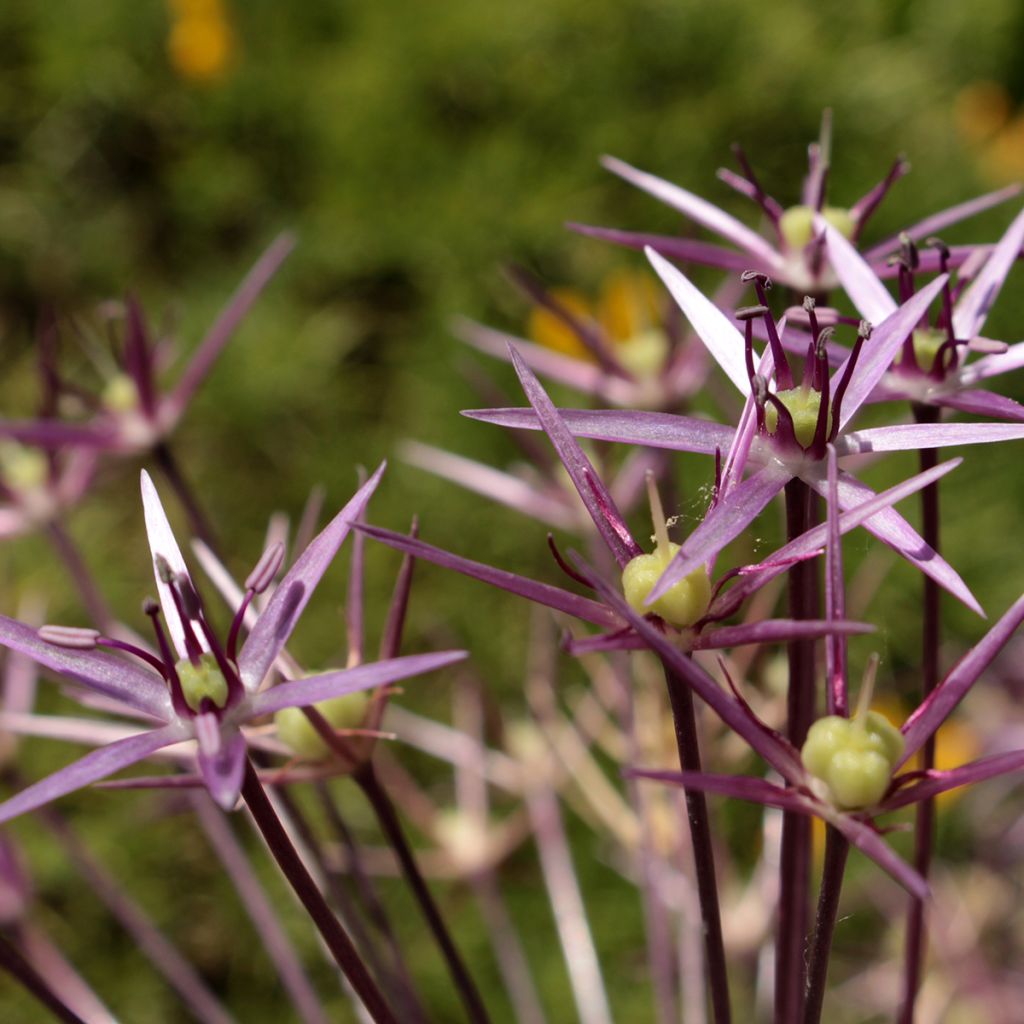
24 973
795 856
367 780
836 849
336 938
924 824
197 520
683 717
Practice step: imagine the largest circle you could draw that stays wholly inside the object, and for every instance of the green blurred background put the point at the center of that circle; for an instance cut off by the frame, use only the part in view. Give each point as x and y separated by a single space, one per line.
414 148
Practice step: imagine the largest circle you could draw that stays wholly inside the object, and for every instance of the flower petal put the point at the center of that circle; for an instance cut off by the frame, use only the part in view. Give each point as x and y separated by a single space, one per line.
936 782
992 366
771 631
905 437
131 684
278 619
869 842
96 765
305 692
741 787
979 402
867 293
941 702
162 544
591 489
221 759
720 336
700 210
541 593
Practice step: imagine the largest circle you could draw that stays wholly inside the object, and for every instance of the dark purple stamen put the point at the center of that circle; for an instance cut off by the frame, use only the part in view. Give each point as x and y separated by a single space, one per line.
783 374
180 705
785 431
718 479
266 569
863 333
563 565
821 430
773 210
746 315
759 391
167 576
138 358
866 206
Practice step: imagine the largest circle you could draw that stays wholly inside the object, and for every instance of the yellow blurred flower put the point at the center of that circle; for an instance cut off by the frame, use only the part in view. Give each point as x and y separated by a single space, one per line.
984 118
627 311
201 43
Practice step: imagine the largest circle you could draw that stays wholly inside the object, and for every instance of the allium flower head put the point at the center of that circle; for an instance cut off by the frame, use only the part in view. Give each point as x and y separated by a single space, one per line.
197 687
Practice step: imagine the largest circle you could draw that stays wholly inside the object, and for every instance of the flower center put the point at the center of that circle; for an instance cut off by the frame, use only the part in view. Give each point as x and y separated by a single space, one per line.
927 341
296 731
120 394
644 354
803 405
796 225
23 469
201 682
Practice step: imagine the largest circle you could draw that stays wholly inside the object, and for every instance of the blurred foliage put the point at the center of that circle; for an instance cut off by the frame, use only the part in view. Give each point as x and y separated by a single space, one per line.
415 148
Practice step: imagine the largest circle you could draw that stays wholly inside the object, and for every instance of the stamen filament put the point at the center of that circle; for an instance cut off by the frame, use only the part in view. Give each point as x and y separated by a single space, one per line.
867 691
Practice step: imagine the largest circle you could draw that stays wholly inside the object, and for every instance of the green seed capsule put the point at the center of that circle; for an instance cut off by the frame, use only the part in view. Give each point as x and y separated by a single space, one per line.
803 405
796 225
296 731
683 605
854 758
927 341
202 681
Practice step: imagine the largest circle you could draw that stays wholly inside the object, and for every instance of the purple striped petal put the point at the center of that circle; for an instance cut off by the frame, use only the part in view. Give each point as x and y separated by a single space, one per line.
221 759
700 210
742 787
891 528
972 307
764 740
992 366
771 631
870 297
686 250
936 782
227 323
278 619
591 489
504 488
870 843
723 523
305 692
979 402
162 544
123 680
882 347
940 703
541 593
655 429
96 765
906 437
937 221
720 336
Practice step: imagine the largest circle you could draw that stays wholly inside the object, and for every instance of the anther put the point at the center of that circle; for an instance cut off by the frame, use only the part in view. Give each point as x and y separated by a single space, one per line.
757 275
266 569
745 313
75 638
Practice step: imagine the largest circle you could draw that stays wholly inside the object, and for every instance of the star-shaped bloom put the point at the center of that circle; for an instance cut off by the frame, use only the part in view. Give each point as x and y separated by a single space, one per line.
135 413
932 367
197 688
785 426
794 254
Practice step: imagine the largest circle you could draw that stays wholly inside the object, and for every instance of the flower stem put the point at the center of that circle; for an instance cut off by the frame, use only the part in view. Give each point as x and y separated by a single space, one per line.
795 856
338 942
366 778
67 551
836 849
924 824
22 971
681 699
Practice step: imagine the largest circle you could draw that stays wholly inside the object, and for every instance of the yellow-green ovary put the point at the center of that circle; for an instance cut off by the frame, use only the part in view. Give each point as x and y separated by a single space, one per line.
803 405
201 681
927 341
796 225
854 759
296 731
683 605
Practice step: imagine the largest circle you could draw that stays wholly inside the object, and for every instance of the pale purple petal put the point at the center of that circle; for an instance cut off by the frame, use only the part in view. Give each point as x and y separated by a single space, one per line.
869 296
505 488
96 765
576 373
655 429
746 430
101 433
700 210
90 732
870 843
741 787
809 544
588 484
620 640
123 680
979 402
891 528
764 740
723 523
941 702
937 221
221 759
972 307
686 250
720 336
305 692
771 631
882 347
992 366
278 619
227 323
905 437
936 782
162 544
541 593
